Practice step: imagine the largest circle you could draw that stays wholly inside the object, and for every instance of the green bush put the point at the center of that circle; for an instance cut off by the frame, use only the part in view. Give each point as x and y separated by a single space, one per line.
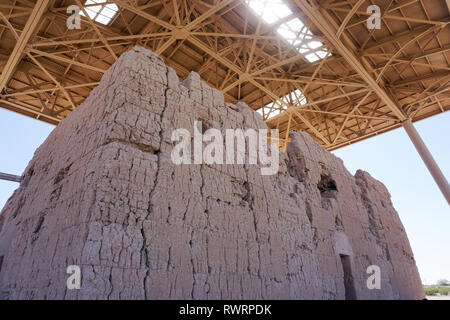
435 290
444 291
431 291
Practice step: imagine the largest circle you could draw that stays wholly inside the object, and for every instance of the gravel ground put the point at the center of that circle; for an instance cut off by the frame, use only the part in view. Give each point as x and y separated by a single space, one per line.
438 297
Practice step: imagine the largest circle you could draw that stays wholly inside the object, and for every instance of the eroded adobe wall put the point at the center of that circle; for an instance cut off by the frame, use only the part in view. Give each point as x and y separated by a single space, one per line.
102 193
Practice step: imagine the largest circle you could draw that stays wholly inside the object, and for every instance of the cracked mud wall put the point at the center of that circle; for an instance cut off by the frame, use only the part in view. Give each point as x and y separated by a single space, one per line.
103 193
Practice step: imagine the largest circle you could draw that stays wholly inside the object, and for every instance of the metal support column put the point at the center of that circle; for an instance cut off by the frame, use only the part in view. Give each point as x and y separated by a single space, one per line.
428 159
10 177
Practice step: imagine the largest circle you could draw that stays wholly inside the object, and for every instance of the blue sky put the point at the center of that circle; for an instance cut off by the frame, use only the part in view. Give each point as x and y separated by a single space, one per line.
390 158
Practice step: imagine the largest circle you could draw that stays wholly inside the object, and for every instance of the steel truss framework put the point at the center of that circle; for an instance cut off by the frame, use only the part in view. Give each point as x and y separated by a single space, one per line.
371 82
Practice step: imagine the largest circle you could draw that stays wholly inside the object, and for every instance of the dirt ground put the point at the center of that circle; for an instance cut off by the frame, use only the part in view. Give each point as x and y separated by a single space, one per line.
438 297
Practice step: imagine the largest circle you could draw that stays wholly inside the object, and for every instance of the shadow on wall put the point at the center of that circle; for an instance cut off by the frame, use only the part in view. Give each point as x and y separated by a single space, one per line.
349 285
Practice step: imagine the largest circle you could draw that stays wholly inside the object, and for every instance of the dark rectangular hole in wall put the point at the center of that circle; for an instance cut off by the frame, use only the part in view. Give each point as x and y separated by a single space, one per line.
1 263
350 292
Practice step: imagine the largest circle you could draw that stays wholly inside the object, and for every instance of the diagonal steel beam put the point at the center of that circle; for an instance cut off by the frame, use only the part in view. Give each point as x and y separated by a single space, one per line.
18 51
218 6
428 159
145 15
289 109
314 14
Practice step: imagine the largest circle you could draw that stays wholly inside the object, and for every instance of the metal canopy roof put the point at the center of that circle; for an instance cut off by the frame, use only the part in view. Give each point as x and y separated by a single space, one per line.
370 82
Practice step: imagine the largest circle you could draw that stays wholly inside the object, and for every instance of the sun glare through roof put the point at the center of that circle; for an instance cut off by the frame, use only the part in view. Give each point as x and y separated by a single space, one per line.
294 98
293 31
297 35
102 13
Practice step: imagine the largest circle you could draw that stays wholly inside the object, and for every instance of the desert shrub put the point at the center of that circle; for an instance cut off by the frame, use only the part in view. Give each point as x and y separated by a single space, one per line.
444 291
431 291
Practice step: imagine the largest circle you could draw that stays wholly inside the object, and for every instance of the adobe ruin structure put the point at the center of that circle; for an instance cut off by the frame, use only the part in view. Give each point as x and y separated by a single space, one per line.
102 193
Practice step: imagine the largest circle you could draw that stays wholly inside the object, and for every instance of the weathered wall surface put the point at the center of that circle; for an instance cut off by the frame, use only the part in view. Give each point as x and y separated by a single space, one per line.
103 193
